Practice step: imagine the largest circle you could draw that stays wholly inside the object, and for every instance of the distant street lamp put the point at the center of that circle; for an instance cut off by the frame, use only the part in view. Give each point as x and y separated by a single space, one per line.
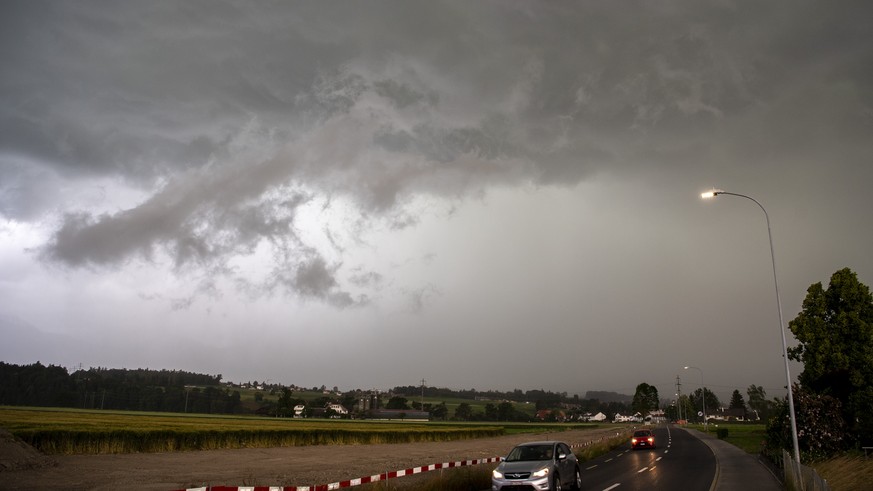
713 194
702 395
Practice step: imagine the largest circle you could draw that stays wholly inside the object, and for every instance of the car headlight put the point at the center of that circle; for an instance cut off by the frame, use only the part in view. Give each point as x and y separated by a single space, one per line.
541 473
497 474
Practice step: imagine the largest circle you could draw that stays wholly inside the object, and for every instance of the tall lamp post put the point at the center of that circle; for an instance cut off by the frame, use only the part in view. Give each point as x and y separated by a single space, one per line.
713 194
702 395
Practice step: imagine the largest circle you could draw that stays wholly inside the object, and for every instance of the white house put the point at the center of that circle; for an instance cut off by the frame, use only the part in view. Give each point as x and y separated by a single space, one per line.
337 409
619 418
593 417
657 416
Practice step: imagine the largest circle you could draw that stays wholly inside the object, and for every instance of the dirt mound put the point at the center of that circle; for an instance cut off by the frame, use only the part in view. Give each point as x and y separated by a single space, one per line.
17 455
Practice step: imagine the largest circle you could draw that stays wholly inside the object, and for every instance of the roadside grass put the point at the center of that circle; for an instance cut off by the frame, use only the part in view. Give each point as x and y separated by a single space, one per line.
846 473
590 452
749 437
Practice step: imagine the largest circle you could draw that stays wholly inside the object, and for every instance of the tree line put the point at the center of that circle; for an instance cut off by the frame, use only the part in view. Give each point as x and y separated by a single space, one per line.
593 401
180 391
122 389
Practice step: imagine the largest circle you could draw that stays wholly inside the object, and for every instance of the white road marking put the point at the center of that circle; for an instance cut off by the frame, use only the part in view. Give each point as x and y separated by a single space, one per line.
613 486
659 458
644 469
589 468
608 460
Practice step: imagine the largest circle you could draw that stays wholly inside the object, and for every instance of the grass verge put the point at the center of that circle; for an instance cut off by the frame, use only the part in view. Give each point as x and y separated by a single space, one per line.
848 472
749 437
597 449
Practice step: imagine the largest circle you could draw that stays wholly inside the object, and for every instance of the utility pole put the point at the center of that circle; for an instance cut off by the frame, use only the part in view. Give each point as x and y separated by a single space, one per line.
679 396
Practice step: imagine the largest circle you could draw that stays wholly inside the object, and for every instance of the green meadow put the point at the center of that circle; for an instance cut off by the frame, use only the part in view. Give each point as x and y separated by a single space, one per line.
747 436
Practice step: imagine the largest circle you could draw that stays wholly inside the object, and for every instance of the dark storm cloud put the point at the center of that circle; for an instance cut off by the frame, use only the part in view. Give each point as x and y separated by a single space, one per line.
205 215
228 177
314 279
211 107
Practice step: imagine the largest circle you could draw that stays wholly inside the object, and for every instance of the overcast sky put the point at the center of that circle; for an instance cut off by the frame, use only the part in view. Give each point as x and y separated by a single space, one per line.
489 195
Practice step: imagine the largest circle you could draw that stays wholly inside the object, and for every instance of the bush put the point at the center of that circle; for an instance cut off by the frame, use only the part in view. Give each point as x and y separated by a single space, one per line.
821 431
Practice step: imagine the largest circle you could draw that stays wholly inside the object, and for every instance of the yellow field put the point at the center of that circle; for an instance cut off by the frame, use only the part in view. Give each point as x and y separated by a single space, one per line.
69 431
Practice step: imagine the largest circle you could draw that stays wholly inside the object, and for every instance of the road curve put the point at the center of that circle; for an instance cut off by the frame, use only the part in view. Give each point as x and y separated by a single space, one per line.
679 461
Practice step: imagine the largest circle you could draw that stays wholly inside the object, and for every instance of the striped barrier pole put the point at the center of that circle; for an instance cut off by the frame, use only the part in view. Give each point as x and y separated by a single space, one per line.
352 482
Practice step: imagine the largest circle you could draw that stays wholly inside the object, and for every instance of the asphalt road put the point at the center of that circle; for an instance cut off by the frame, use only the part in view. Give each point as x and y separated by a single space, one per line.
679 461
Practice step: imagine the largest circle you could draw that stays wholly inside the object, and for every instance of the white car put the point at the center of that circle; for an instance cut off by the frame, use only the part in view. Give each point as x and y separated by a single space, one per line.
538 466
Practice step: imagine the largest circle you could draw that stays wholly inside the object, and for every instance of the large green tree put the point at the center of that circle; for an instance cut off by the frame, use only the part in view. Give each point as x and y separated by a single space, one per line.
737 401
505 411
439 412
464 412
684 408
712 402
645 399
835 335
490 412
397 402
285 404
758 402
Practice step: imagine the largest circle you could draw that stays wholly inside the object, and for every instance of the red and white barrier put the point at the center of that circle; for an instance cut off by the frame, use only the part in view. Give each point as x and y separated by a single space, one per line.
352 482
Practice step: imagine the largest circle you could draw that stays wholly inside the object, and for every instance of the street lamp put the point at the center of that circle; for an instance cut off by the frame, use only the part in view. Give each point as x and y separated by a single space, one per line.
702 395
712 194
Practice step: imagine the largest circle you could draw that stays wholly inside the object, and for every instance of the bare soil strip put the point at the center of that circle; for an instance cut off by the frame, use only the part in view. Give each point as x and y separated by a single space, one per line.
285 466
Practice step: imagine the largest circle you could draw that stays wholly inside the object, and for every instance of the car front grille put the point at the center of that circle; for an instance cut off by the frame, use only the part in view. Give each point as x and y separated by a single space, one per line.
516 475
517 487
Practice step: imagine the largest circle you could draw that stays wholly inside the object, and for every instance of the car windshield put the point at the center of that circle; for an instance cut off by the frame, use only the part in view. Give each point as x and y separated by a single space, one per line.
642 433
530 452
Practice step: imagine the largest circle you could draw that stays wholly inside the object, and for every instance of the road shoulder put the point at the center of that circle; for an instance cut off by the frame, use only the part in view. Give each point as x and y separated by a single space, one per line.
737 470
